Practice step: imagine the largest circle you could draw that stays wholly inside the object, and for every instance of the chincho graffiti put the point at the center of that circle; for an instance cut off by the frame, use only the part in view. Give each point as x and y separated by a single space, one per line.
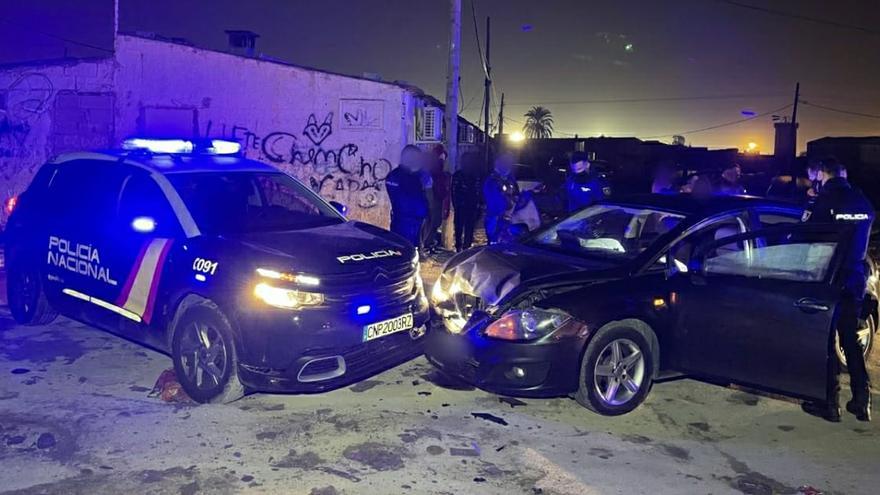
337 171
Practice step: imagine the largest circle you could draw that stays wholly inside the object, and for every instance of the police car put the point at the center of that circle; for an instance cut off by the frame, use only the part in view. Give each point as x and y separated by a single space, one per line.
245 276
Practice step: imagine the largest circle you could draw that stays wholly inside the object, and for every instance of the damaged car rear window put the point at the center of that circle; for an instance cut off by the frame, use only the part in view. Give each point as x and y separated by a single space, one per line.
608 230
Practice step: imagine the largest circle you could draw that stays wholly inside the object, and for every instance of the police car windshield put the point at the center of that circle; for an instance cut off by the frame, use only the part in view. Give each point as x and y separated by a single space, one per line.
608 230
240 202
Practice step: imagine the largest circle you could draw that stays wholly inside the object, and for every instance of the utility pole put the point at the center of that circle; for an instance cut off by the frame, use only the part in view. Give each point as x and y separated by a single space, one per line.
452 84
486 96
501 118
794 125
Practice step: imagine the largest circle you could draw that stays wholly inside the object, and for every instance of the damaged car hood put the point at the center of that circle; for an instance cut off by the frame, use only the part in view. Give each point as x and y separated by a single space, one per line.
493 272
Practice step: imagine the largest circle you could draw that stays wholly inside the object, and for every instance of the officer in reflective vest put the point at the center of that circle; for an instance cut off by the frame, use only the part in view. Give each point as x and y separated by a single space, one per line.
839 202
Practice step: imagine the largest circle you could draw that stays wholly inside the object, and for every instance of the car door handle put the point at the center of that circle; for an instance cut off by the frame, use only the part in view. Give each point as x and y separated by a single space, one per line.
810 305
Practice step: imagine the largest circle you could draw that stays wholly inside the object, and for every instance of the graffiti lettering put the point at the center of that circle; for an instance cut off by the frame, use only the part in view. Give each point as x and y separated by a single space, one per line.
336 172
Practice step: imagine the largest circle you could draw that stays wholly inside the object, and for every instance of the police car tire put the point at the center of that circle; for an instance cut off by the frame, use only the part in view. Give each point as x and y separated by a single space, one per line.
230 387
634 331
40 312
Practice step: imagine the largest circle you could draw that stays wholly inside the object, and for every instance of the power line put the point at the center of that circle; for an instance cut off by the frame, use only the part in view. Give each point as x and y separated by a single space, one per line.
477 34
791 15
840 110
648 100
53 36
725 124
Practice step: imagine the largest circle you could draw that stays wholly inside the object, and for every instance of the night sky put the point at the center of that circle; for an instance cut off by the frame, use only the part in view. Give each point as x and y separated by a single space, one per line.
689 64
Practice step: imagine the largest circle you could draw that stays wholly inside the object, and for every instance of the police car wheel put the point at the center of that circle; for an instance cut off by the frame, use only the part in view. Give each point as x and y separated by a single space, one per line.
27 300
866 340
616 372
204 355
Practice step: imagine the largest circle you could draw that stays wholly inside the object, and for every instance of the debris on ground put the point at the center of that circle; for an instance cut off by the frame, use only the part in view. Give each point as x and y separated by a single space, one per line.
512 401
169 389
809 490
463 452
490 417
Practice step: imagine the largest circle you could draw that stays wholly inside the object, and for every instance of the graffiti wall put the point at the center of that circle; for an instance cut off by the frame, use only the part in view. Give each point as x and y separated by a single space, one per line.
337 171
339 135
46 110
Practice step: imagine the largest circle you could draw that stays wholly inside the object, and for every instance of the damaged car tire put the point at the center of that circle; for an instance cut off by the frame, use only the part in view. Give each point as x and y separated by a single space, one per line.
26 297
203 351
617 369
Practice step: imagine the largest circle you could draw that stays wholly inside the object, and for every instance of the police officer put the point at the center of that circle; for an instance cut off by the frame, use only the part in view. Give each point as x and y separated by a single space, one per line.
730 181
582 187
500 192
841 203
406 190
466 183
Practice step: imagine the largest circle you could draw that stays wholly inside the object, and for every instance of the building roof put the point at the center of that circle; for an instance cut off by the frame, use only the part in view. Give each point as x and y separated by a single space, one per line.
845 140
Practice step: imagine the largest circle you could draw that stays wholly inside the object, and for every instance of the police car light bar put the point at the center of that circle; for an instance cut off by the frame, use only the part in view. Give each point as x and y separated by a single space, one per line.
182 146
175 146
222 147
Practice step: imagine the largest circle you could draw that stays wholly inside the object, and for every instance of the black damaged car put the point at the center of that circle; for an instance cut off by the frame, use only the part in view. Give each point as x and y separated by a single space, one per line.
245 276
615 296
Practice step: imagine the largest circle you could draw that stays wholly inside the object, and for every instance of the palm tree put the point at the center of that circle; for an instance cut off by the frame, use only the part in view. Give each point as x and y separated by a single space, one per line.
539 123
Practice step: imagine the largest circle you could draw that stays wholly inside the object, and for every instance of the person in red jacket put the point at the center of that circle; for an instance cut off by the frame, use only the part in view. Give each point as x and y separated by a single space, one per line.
442 181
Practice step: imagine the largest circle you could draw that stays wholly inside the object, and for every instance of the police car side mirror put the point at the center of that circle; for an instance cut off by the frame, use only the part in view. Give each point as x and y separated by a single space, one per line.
143 224
518 230
341 208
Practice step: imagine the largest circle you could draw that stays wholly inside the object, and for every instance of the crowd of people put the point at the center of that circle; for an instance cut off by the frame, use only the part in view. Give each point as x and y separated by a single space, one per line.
421 193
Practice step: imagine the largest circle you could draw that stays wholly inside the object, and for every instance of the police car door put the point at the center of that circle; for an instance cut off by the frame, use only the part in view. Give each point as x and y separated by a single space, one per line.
82 196
759 306
146 229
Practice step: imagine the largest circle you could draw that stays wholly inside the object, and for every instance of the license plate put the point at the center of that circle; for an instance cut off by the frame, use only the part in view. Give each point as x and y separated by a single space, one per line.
387 327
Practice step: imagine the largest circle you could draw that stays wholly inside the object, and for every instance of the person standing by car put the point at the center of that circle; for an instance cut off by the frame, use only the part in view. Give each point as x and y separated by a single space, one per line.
730 181
406 190
466 201
501 193
439 201
839 202
582 187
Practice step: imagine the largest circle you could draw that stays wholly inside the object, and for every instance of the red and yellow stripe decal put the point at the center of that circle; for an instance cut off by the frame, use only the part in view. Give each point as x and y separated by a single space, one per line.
138 295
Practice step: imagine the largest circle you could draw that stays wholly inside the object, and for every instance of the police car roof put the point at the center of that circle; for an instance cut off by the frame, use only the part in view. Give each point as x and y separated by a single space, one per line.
176 163
689 205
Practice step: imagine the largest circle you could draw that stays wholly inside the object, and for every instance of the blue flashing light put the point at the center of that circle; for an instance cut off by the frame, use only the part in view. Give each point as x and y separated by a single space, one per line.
159 145
143 224
222 147
183 146
363 309
201 277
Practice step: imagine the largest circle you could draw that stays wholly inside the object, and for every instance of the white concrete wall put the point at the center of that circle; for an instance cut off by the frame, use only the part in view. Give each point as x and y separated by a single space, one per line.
50 109
338 134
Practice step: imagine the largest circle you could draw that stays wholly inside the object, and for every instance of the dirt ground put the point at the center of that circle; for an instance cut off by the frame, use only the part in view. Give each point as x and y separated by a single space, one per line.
75 418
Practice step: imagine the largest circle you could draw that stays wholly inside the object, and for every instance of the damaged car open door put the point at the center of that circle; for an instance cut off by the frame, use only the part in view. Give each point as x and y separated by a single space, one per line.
757 308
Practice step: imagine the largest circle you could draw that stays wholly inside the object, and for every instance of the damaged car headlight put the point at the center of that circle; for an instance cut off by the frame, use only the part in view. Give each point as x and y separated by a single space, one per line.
526 324
287 298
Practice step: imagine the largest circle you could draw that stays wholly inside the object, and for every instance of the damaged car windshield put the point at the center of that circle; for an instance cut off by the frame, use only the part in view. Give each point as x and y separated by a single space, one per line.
250 202
608 230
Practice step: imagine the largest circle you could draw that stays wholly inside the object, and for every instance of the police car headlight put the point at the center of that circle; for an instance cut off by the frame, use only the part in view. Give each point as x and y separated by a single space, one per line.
529 324
298 278
280 297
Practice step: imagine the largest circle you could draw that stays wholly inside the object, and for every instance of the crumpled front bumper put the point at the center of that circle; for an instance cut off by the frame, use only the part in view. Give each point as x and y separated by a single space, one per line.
545 368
